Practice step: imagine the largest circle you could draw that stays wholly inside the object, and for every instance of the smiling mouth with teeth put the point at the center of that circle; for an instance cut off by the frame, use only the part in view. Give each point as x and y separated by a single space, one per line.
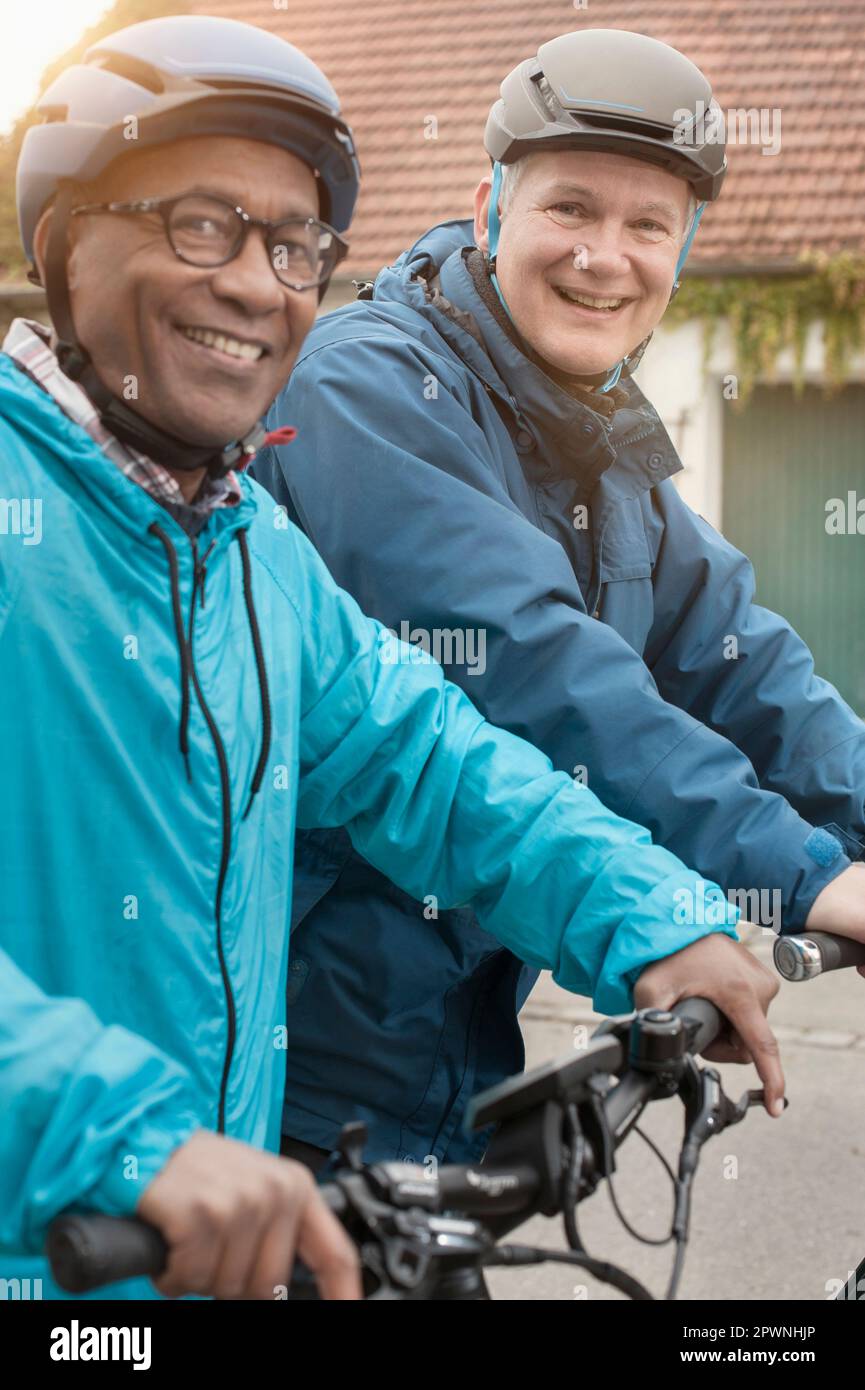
223 342
600 303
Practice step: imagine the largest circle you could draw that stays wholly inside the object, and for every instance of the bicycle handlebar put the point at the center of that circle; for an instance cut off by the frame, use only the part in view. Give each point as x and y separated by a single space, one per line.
88 1250
805 955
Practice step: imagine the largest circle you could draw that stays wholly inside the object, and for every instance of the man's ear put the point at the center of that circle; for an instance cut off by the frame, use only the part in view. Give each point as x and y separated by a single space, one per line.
482 202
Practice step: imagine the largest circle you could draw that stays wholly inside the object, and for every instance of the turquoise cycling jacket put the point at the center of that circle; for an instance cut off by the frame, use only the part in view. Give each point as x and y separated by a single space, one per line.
150 791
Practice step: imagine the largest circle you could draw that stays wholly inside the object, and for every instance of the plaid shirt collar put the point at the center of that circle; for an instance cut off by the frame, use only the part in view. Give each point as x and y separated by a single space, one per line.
29 345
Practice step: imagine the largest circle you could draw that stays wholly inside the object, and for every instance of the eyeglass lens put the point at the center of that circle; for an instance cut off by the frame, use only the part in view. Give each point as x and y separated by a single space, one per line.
205 231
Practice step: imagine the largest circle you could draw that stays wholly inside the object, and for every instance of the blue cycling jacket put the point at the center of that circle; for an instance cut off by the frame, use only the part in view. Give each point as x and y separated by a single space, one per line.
148 802
454 488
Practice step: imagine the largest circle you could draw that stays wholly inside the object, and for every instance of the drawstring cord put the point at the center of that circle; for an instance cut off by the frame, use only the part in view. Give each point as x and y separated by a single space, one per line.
184 649
261 669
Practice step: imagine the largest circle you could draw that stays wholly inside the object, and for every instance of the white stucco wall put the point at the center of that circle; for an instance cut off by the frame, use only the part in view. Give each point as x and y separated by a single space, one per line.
691 403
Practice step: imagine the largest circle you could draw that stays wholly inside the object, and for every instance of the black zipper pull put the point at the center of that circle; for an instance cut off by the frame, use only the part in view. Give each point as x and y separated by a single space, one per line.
199 573
203 571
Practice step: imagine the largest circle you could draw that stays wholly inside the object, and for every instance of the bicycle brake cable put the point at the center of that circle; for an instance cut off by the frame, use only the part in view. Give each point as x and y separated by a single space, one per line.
572 1178
601 1269
600 1118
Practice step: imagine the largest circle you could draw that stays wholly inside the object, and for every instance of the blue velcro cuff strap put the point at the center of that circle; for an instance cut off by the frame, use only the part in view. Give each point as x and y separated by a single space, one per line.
822 847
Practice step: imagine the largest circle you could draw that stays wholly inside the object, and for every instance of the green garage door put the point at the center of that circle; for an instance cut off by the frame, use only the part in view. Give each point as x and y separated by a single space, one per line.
785 457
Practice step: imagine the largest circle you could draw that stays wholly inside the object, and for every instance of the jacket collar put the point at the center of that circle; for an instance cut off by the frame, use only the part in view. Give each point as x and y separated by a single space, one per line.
32 347
66 448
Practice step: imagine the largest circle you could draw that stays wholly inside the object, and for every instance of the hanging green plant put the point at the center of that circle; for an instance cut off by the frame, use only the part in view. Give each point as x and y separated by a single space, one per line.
769 314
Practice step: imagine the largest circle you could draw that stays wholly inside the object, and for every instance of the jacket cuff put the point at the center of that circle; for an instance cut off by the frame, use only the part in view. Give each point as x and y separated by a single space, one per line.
136 1161
823 868
681 909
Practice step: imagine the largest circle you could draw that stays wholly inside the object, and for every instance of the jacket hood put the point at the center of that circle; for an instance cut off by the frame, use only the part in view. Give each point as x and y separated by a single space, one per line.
408 283
403 281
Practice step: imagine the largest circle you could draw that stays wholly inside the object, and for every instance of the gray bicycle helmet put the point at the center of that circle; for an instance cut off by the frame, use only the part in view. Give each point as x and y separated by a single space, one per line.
168 78
607 89
186 75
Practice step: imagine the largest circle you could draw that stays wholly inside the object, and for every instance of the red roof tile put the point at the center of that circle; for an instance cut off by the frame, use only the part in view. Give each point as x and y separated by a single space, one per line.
396 62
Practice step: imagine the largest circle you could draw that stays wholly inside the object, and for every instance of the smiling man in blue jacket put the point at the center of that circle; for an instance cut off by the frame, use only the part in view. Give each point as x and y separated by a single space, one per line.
478 468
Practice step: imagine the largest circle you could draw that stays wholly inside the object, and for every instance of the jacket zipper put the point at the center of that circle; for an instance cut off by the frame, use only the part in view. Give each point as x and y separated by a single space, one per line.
199 575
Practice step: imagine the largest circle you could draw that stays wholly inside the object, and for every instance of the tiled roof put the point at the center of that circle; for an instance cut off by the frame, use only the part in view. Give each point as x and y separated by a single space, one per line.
396 63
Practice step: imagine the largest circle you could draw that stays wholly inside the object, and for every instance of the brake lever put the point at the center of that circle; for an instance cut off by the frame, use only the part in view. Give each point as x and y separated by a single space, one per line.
709 1111
737 1110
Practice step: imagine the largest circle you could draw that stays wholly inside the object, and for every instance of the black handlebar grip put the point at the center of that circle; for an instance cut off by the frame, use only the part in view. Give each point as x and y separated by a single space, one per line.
90 1250
86 1251
803 955
838 952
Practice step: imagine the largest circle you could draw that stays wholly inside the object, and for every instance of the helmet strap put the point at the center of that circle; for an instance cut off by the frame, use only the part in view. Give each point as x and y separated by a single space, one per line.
494 221
613 379
683 254
124 423
494 228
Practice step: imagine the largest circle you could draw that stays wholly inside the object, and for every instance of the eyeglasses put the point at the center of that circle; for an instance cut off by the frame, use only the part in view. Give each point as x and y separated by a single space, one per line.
204 230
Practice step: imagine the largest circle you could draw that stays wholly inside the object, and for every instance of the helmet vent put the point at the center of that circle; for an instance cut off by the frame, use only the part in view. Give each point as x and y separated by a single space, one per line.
229 84
265 89
601 122
142 74
548 96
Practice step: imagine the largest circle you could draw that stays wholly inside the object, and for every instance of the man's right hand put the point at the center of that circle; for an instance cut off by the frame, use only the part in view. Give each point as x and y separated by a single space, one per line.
840 906
234 1218
724 971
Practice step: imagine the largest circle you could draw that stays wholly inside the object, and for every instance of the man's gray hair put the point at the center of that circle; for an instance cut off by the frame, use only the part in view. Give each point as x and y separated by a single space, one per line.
512 173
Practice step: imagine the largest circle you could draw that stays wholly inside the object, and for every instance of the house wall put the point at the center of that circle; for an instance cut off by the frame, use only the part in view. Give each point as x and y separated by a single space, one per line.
690 400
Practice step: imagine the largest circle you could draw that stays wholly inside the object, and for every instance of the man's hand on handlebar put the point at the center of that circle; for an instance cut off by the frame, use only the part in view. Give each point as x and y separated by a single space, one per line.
840 907
725 972
234 1219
